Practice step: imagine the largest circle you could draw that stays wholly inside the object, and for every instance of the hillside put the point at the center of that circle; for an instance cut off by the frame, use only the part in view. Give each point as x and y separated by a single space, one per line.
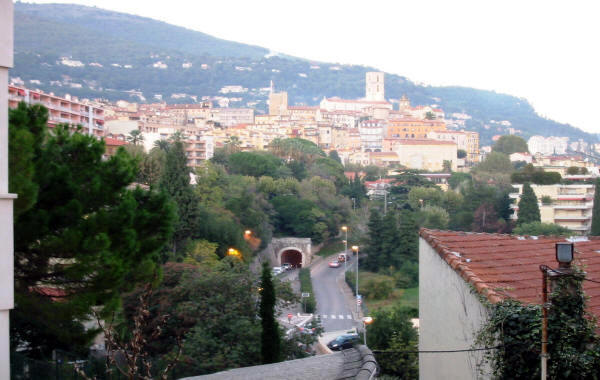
90 52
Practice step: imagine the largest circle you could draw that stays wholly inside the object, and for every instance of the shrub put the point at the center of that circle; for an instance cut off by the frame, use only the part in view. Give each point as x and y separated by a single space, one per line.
310 303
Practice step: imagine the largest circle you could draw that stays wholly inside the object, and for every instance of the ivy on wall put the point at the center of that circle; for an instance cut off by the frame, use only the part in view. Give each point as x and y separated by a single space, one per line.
573 344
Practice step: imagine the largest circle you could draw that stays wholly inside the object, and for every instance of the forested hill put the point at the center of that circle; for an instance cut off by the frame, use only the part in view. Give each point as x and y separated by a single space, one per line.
90 52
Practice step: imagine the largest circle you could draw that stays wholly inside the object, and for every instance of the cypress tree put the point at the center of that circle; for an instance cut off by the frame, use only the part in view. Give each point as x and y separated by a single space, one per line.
270 339
373 247
528 206
596 211
390 242
408 237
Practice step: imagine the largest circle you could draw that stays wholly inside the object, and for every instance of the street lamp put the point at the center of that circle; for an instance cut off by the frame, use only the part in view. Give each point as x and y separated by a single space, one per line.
345 229
233 252
355 250
366 321
247 233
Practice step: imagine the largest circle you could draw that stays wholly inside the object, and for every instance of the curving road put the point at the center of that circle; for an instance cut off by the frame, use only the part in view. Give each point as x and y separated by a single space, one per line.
332 307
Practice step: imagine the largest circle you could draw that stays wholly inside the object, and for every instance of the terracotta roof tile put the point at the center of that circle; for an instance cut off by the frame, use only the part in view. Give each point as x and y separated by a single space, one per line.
507 266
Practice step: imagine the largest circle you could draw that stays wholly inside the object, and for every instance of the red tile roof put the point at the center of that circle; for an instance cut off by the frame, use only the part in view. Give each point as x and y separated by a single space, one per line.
507 266
109 141
424 142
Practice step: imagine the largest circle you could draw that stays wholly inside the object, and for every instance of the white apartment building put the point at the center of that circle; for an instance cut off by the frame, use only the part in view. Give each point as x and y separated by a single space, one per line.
571 205
547 145
61 110
371 135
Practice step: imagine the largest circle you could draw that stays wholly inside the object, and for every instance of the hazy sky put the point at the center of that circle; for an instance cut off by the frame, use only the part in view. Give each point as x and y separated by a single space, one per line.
545 51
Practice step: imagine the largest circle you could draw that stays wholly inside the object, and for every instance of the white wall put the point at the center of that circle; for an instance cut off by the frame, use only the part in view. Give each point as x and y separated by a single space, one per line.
449 317
6 200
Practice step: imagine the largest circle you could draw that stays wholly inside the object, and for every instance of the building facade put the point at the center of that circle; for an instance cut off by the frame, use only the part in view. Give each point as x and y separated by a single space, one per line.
65 110
570 207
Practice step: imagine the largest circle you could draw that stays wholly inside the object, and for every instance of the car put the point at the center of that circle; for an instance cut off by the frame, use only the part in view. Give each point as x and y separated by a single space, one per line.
343 257
334 264
277 270
287 266
343 342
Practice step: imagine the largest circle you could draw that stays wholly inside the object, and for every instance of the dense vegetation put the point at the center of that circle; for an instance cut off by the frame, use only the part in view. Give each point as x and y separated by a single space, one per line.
46 32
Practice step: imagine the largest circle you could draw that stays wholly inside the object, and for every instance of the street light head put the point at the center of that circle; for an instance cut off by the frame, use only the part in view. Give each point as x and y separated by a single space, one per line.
564 254
247 232
233 252
344 228
355 247
367 320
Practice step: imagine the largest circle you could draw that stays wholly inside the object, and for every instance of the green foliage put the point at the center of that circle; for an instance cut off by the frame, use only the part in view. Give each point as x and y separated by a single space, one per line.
573 345
510 144
530 173
596 210
575 170
335 156
376 289
270 339
255 164
547 200
529 210
496 168
461 153
538 229
175 181
434 217
310 303
392 332
458 178
81 232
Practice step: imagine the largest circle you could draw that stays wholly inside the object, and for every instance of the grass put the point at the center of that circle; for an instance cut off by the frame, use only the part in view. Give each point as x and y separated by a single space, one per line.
331 247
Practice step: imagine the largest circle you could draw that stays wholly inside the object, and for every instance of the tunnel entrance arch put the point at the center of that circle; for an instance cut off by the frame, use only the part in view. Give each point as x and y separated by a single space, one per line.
292 256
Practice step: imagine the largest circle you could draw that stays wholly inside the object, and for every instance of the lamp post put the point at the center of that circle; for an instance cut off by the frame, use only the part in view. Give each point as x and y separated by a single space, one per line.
345 229
233 252
366 321
564 256
355 250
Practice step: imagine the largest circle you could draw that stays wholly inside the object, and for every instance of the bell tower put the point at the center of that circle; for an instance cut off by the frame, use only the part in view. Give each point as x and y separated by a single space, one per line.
375 89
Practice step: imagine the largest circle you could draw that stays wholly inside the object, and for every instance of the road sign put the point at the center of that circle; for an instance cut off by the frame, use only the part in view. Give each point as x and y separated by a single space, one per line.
290 315
358 301
305 295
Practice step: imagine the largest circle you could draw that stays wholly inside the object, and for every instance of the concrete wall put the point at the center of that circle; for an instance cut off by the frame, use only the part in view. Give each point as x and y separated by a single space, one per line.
449 317
6 200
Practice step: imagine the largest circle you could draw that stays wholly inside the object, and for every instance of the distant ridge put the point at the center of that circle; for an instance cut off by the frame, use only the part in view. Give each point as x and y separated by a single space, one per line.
91 52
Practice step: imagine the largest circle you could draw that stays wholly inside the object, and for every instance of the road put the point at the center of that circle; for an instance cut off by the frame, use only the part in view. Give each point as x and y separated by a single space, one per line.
332 307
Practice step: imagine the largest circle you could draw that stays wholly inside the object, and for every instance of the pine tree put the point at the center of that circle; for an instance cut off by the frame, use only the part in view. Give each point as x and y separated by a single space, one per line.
408 237
82 237
390 242
373 247
528 206
270 339
596 211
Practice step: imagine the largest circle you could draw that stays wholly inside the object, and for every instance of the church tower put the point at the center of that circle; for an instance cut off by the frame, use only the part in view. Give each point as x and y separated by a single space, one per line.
375 90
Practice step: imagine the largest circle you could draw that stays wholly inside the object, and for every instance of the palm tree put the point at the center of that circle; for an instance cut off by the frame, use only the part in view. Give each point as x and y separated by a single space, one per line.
162 145
135 137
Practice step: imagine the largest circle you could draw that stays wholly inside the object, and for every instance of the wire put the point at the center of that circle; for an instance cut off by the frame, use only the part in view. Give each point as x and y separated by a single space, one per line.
438 351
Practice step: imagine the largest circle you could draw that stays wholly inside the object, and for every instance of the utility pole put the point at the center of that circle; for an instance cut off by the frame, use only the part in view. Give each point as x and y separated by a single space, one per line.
544 356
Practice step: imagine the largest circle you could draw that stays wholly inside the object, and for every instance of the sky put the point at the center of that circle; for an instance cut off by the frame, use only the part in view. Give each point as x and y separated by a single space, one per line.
544 51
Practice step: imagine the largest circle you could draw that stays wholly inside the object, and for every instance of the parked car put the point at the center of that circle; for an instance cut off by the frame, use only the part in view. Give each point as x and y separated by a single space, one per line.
334 264
287 266
277 270
343 257
343 342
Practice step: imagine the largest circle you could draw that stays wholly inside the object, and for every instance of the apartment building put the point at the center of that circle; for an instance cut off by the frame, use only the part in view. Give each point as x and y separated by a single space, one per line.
412 128
371 135
198 149
465 140
570 206
547 145
423 154
66 110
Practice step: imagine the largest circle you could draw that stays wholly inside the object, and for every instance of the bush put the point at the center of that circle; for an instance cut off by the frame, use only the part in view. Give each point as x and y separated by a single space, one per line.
310 303
377 289
408 275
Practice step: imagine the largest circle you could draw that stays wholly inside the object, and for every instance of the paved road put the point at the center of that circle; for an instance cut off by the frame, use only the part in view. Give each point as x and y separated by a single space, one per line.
331 305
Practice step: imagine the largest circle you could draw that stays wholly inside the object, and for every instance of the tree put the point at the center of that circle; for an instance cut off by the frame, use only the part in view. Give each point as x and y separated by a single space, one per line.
175 181
529 210
135 137
485 218
82 237
530 173
269 338
538 228
433 217
254 164
447 166
510 144
373 247
596 211
496 167
335 156
429 115
461 153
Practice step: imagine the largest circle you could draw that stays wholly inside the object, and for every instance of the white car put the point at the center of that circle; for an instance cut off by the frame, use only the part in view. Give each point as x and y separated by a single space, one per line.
277 270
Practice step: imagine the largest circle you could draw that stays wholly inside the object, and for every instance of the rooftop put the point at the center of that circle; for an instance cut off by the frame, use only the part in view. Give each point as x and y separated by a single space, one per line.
502 266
